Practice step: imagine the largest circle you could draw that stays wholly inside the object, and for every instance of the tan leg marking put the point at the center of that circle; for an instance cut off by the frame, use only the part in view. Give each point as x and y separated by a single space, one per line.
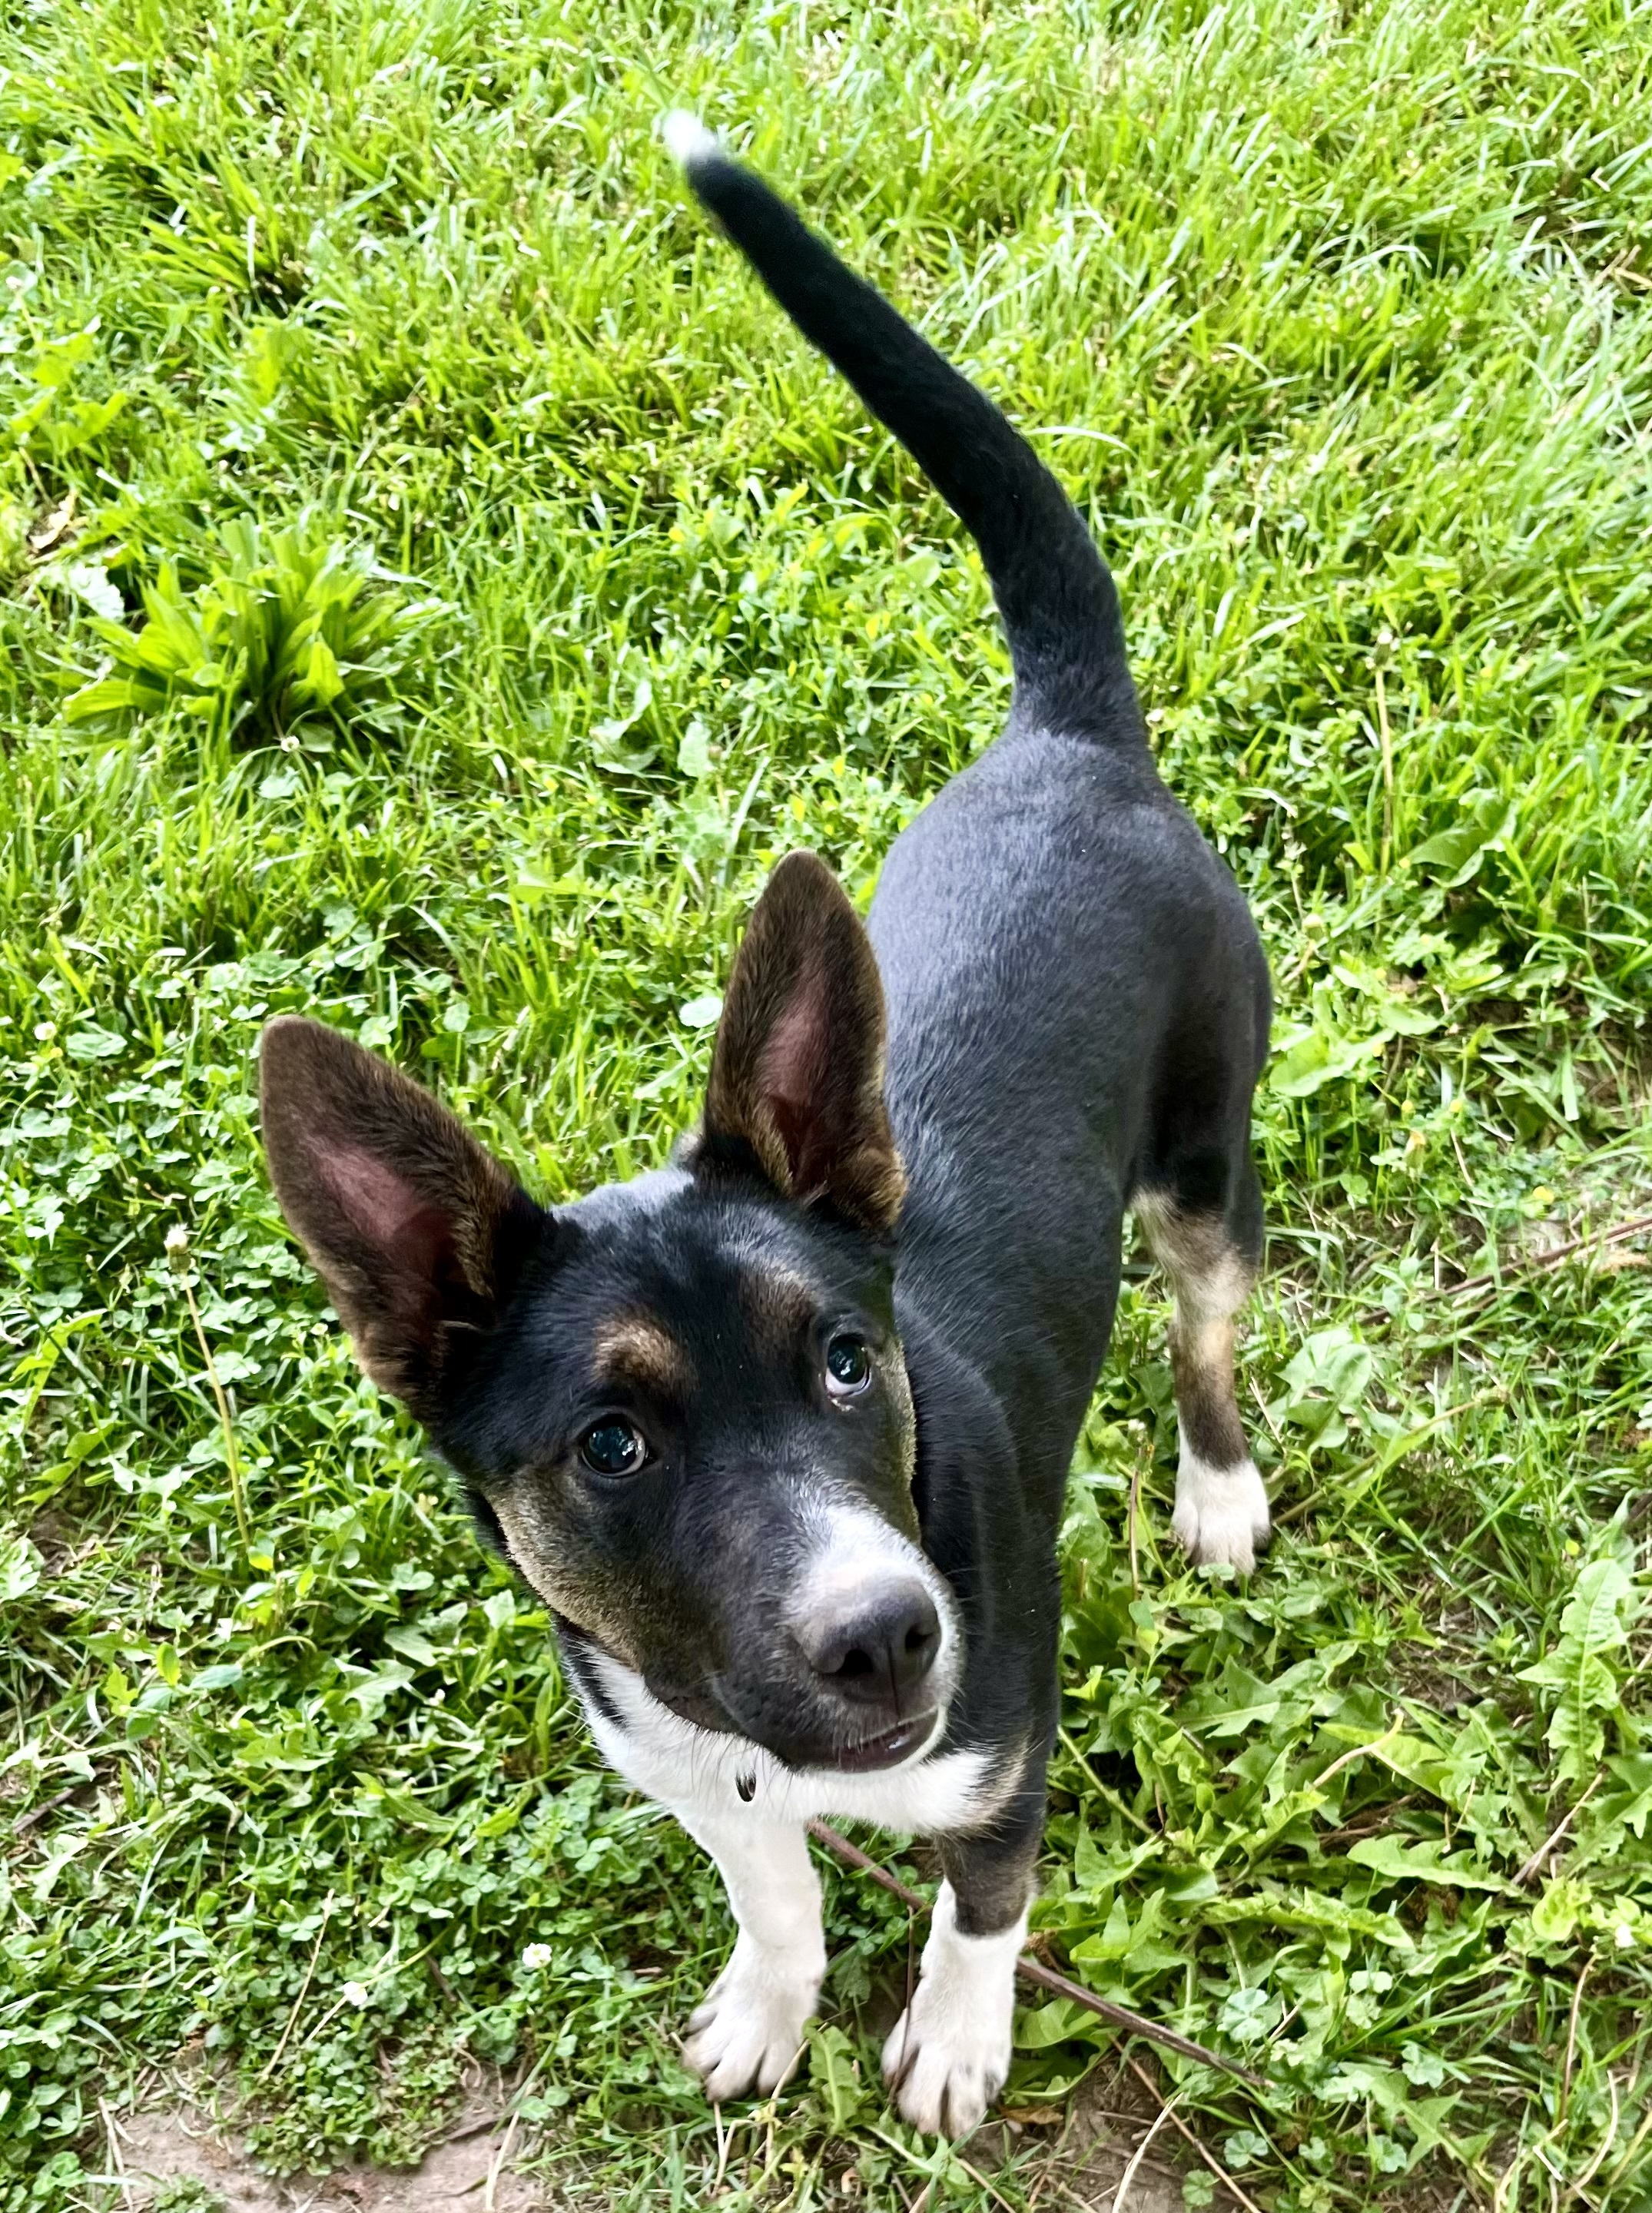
1222 1508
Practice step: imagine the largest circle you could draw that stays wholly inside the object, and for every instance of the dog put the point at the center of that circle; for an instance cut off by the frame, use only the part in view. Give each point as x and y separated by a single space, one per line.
780 1431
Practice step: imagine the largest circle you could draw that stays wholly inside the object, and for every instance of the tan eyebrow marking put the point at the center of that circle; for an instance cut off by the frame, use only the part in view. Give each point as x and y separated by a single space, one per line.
634 1347
779 1299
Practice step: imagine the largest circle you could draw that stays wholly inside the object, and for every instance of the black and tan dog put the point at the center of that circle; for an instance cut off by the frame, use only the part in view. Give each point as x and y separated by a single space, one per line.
780 1431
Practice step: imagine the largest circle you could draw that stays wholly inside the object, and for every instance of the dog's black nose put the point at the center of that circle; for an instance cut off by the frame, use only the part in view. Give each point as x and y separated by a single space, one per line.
876 1649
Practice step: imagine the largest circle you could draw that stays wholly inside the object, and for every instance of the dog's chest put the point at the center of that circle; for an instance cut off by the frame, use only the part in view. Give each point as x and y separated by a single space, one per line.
682 1766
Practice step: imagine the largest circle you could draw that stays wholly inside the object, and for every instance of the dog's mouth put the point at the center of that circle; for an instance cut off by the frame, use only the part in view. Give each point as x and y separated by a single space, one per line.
888 1749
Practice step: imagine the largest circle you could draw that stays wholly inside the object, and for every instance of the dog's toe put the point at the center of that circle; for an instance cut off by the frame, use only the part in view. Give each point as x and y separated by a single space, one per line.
1221 1517
747 2032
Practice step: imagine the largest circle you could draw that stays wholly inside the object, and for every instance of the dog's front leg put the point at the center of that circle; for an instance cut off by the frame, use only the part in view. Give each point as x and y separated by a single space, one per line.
947 2056
748 2032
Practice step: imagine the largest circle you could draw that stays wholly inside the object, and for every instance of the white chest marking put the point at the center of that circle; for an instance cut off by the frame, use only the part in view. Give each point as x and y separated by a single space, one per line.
684 1766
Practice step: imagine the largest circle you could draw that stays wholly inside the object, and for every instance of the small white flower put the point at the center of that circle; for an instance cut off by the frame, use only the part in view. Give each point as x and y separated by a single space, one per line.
357 1994
536 1956
1623 1937
177 1238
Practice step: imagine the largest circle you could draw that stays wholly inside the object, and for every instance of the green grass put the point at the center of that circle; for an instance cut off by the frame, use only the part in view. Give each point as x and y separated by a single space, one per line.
518 587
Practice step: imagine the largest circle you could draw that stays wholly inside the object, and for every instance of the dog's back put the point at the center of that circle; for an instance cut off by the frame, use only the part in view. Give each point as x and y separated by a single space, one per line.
1078 1003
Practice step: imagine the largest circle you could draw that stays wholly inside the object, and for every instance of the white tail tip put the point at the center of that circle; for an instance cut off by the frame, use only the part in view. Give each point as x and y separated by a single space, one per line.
687 140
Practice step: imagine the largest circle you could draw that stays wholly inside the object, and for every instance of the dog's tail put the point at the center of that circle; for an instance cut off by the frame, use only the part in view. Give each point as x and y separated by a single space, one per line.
1059 607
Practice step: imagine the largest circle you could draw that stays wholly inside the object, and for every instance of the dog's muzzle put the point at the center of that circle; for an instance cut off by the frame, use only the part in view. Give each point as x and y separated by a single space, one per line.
869 1659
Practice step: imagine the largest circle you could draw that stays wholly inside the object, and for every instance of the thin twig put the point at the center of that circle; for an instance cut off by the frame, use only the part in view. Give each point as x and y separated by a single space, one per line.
1622 2168
511 2105
1571 2045
1358 1753
1607 2141
1397 1448
1578 2188
485 2127
977 2177
112 2137
25 1822
499 2159
1109 1797
1529 1873
1529 1263
1105 2150
1044 1978
1138 2155
1182 2129
269 2066
1534 1264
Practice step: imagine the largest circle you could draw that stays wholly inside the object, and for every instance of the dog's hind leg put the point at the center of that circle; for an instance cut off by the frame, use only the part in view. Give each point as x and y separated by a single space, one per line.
748 2031
1211 1255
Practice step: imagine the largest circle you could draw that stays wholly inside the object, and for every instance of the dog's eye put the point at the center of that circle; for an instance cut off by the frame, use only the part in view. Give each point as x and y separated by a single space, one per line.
613 1448
848 1366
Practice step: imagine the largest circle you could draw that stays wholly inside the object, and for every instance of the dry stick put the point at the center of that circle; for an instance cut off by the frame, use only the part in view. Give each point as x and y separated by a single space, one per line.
1138 2155
1539 1261
500 2157
1044 1978
1571 2046
269 2066
1622 2168
1578 2188
112 2137
976 2176
1182 2129
1358 1753
1108 1797
921 2201
1532 1264
491 2121
1398 1448
36 1814
1107 2150
1533 1866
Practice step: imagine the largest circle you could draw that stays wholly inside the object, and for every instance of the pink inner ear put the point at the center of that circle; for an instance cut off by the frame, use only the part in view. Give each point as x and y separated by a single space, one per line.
792 1076
794 1058
383 1208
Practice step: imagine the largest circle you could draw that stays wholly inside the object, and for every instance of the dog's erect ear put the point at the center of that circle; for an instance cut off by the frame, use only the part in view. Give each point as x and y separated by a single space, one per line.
417 1233
797 1071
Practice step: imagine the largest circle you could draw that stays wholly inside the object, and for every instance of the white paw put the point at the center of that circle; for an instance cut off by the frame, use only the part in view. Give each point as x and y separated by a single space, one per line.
947 2056
747 2031
1221 1513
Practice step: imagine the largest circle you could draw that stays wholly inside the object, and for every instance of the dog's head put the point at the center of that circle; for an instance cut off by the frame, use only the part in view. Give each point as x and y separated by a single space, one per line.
680 1404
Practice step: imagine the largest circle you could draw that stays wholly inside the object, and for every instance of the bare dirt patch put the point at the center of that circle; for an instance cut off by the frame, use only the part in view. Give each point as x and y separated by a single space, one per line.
177 2141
